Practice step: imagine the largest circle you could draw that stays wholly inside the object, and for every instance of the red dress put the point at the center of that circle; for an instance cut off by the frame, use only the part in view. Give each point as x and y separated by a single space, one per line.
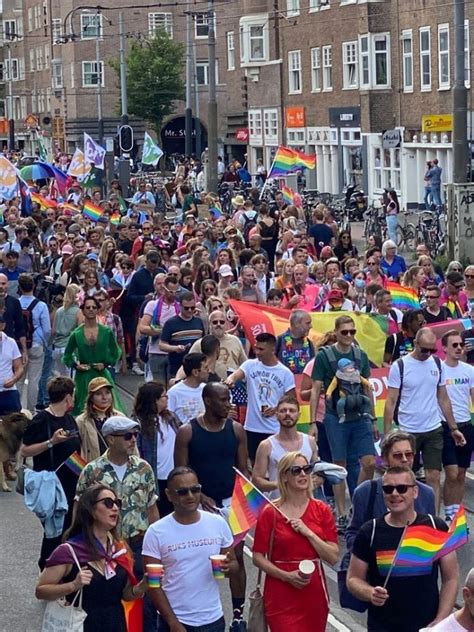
288 608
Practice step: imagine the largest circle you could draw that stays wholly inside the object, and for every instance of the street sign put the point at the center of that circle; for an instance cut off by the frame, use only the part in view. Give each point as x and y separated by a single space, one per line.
126 138
242 134
391 139
109 144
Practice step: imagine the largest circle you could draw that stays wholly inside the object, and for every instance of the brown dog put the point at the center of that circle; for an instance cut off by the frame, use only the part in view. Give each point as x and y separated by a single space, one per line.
12 428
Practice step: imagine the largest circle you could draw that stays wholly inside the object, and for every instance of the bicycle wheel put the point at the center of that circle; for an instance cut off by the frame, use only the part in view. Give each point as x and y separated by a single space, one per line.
409 237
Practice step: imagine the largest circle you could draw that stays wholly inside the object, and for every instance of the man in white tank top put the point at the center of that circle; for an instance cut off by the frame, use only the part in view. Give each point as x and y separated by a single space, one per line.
288 439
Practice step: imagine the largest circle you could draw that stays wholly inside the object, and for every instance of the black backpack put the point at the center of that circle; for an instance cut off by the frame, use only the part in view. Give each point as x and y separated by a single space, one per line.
28 321
249 223
401 368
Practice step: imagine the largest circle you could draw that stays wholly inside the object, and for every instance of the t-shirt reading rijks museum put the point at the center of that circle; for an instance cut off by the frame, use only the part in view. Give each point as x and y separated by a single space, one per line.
266 385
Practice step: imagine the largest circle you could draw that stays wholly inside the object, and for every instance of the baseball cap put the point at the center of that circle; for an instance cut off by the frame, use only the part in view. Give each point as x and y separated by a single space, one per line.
342 364
97 383
92 256
335 295
67 249
118 424
225 270
326 251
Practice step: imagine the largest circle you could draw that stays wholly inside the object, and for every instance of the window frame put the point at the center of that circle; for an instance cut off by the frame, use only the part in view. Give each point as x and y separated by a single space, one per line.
98 32
246 24
425 87
55 75
270 126
230 42
99 71
167 25
374 38
364 62
293 8
443 29
327 68
316 74
346 63
204 23
407 58
255 126
56 30
295 78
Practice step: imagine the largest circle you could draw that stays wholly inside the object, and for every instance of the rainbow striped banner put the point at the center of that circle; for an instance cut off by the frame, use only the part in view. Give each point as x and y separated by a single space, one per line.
91 211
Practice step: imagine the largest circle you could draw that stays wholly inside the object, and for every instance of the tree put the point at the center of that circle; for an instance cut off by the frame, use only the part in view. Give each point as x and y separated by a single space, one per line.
155 69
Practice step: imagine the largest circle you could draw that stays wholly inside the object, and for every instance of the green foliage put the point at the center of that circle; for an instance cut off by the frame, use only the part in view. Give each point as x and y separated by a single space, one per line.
155 70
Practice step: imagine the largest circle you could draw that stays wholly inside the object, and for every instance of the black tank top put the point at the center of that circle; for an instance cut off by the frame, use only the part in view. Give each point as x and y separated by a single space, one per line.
212 456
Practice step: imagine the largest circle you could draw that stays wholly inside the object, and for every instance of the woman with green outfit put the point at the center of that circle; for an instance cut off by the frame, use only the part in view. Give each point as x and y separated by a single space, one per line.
91 350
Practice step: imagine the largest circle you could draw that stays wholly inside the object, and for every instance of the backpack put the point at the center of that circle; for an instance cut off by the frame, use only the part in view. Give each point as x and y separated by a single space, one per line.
354 391
249 223
28 321
401 368
392 313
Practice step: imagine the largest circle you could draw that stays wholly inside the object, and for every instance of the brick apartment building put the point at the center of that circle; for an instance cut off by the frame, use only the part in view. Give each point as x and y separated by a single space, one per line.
326 76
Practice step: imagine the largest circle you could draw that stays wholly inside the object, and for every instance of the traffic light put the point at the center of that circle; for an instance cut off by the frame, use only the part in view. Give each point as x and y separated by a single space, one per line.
126 139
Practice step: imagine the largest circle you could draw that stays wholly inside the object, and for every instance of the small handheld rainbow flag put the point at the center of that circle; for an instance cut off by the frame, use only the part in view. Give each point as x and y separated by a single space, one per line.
288 194
246 505
43 202
91 211
115 219
403 297
69 209
75 463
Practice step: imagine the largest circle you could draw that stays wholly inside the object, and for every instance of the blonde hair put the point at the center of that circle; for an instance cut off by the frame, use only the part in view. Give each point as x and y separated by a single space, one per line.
70 295
284 464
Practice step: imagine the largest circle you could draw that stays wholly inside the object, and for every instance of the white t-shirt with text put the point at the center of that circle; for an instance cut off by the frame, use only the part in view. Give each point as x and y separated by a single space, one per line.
185 402
459 381
184 551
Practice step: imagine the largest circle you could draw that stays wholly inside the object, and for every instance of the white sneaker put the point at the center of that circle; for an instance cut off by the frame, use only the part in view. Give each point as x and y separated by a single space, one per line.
136 370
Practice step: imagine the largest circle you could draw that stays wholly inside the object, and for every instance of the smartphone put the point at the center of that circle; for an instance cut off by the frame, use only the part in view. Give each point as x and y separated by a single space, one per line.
72 434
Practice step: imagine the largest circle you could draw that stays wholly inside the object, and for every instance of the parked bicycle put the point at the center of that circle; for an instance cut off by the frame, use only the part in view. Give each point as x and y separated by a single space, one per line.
429 231
406 234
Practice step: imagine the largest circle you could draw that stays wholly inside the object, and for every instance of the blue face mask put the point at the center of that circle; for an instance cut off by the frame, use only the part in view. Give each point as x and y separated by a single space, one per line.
359 283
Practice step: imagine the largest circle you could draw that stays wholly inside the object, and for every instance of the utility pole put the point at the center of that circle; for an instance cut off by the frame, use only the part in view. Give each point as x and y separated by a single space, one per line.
11 116
100 120
188 127
212 103
124 163
460 154
196 106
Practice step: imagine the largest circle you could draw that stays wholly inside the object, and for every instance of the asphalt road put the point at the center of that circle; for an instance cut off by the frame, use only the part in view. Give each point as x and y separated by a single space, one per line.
20 538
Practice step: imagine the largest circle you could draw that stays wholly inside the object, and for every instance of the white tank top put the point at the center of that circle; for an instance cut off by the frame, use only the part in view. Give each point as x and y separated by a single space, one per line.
278 452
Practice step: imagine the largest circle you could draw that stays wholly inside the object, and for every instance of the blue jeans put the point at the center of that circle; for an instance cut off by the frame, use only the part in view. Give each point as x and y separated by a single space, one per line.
215 626
436 195
43 397
428 199
150 615
392 223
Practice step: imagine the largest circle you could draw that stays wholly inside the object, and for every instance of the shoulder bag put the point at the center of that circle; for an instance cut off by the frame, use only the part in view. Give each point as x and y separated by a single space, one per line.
257 621
60 616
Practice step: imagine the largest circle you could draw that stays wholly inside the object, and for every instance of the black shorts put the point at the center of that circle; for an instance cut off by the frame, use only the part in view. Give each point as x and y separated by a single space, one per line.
454 455
254 439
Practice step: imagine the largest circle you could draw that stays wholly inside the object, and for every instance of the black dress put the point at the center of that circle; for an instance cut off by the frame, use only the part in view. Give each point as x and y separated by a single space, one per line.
102 600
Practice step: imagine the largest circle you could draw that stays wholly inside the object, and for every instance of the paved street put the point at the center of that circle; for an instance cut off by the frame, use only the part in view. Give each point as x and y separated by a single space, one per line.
20 536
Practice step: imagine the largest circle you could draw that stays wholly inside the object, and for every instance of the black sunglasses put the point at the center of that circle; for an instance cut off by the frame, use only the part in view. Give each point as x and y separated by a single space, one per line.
184 491
128 436
218 322
110 502
296 470
401 489
427 350
188 309
459 344
348 332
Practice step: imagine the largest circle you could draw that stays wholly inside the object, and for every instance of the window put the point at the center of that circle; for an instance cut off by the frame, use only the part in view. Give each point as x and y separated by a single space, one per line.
349 63
9 29
32 60
255 126
57 30
39 59
34 103
425 58
270 126
2 72
313 5
294 71
201 25
46 55
21 68
364 61
443 56
37 16
327 67
92 73
12 72
230 51
22 112
467 56
57 74
407 51
91 26
30 18
315 69
202 73
160 21
381 61
254 44
292 7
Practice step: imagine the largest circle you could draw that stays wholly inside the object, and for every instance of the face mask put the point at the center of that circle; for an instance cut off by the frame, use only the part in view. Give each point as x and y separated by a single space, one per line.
359 283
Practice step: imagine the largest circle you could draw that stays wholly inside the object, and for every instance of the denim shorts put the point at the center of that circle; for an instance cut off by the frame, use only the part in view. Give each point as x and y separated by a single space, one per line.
356 434
215 626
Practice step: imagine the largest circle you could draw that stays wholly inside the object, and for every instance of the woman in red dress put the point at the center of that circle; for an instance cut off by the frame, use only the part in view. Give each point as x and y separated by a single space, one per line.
293 602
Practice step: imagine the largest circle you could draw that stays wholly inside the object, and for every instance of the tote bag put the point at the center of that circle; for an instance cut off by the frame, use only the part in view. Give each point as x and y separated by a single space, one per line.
59 616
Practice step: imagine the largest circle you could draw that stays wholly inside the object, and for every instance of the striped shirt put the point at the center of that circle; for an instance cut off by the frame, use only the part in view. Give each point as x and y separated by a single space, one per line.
177 331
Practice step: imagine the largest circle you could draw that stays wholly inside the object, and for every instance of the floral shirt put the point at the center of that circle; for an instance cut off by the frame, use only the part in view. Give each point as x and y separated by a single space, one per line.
136 490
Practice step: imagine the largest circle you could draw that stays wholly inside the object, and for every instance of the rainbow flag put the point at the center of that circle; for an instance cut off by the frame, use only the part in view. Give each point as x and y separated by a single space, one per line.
75 463
92 211
69 209
115 219
305 160
288 194
283 163
403 297
457 534
246 505
43 202
215 212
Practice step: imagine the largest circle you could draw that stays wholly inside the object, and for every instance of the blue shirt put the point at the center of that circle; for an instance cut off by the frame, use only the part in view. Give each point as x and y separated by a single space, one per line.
435 176
395 269
41 320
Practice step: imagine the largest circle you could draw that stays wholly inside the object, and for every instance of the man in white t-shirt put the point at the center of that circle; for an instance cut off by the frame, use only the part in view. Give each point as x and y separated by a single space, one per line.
460 387
185 398
417 384
463 619
11 370
267 380
183 543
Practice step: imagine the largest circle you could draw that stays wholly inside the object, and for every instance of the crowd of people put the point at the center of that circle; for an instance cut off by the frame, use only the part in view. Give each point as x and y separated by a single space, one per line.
154 294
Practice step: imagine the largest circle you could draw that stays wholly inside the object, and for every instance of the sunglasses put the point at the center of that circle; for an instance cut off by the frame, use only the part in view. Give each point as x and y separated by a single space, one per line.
458 344
371 263
184 491
296 470
126 267
427 296
128 436
188 309
218 322
427 350
469 276
208 289
398 456
110 502
348 332
401 489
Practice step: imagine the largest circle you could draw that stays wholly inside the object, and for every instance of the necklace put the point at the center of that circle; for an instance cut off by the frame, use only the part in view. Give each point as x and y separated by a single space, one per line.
203 424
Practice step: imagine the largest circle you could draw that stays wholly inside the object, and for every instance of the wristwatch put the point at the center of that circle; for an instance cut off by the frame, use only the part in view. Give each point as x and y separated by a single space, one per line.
49 444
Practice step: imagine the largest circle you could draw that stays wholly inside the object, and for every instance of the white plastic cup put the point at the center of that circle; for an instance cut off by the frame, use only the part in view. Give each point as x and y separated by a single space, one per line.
306 568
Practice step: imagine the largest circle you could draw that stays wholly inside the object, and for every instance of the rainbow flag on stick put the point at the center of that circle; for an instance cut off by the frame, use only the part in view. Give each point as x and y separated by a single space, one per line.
91 211
246 505
69 209
43 202
288 194
75 463
305 161
115 219
403 297
283 163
